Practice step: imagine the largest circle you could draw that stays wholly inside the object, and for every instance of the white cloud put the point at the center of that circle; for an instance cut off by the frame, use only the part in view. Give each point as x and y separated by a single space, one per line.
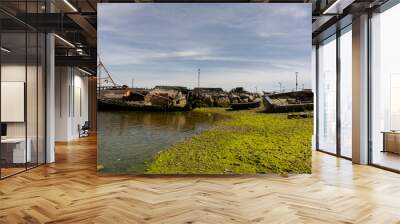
234 44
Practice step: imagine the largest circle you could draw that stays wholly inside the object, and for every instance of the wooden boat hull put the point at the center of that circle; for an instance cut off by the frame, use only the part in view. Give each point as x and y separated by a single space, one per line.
120 105
270 107
244 106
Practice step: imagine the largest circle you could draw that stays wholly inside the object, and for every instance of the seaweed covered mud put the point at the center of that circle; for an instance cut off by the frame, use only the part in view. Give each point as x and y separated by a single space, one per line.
247 142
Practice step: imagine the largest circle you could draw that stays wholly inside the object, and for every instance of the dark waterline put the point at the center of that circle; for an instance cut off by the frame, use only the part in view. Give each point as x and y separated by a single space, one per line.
127 140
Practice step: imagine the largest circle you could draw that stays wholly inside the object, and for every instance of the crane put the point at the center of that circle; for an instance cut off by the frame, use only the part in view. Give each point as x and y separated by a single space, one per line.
107 80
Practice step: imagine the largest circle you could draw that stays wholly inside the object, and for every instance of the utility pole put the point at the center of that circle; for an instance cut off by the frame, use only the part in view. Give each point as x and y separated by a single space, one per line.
280 87
198 78
297 84
133 80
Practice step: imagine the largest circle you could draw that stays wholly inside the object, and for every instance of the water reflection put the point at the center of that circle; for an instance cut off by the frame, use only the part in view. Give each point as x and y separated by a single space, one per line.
126 140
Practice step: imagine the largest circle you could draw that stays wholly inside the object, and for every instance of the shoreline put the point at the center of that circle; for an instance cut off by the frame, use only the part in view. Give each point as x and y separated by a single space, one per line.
254 150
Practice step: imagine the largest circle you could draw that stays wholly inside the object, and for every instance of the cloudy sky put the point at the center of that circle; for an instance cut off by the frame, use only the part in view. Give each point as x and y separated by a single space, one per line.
248 45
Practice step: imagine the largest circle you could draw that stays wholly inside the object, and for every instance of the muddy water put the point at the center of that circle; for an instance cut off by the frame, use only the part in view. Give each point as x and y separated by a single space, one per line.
127 140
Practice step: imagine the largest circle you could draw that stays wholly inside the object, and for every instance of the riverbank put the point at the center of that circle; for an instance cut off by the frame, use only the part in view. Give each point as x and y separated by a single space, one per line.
127 140
249 142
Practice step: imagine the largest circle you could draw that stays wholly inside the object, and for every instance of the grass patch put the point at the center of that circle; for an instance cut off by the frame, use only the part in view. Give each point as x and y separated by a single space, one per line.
248 142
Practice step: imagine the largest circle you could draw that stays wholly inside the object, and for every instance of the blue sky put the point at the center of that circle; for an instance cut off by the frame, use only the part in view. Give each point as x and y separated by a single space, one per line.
249 45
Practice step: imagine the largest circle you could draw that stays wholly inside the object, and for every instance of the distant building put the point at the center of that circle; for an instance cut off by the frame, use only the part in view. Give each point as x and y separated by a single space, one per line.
182 89
208 90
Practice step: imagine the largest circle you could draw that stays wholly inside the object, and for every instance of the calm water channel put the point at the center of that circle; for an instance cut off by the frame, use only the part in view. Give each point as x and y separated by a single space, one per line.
126 140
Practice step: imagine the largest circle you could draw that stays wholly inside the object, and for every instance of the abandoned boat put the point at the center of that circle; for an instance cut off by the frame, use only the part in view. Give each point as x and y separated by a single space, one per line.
295 101
245 105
